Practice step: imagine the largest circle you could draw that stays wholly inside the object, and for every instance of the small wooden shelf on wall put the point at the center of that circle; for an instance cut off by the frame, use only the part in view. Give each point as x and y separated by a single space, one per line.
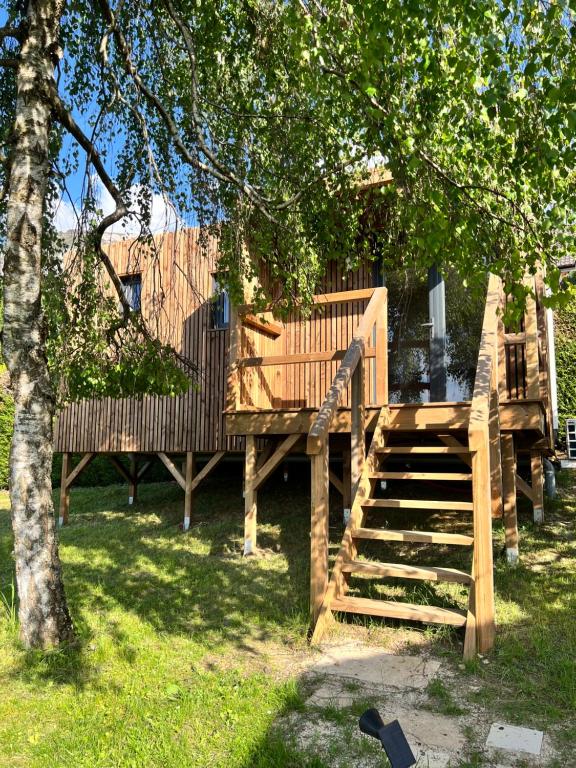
266 326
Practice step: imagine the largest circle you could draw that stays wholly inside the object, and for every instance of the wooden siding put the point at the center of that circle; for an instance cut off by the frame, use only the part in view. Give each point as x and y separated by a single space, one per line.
328 328
176 290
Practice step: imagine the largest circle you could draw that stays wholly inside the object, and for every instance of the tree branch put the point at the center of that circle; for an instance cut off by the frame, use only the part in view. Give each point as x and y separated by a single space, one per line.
16 33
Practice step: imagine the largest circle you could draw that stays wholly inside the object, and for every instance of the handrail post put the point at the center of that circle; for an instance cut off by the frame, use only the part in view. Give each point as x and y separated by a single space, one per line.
532 363
358 423
319 538
483 564
381 361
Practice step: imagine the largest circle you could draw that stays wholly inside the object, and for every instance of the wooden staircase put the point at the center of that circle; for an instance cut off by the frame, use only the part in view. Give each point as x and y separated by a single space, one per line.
367 506
469 432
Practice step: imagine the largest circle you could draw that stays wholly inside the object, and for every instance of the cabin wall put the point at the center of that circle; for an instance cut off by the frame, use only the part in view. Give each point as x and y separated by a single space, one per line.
176 291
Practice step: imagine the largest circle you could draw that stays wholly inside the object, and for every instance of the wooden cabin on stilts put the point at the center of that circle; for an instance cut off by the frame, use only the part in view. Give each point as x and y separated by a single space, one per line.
370 377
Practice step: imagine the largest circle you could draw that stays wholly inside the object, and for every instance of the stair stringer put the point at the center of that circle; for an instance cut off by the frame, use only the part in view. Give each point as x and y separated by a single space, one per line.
336 585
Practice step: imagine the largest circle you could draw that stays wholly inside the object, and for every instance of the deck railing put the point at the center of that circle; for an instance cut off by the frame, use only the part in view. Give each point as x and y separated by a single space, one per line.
290 365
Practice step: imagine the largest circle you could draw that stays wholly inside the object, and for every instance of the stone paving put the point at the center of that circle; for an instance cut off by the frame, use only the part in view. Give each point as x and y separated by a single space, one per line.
346 678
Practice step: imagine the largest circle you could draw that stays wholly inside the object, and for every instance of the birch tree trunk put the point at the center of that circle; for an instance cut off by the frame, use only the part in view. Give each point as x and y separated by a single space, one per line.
44 617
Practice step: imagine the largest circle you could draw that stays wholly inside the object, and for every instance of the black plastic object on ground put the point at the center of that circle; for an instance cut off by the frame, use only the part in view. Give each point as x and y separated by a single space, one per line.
391 737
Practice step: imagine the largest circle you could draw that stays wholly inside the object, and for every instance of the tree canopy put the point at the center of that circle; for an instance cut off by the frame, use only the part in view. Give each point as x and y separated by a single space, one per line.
262 121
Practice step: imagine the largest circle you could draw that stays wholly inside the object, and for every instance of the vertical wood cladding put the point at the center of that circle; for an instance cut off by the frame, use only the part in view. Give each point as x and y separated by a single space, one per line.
176 291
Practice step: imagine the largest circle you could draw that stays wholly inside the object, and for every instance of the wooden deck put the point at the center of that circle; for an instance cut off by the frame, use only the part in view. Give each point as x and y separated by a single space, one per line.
527 418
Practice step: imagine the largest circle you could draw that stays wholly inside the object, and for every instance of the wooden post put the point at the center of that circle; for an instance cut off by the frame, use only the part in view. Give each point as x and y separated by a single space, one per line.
347 484
381 361
537 485
483 565
501 343
133 486
319 537
64 489
189 477
509 493
358 426
233 394
250 496
532 364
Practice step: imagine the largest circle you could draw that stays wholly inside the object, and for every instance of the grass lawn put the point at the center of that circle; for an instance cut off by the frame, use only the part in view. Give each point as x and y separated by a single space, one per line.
171 665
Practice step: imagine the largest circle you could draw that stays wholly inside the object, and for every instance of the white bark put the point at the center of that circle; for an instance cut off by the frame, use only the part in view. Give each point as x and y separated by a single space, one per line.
44 616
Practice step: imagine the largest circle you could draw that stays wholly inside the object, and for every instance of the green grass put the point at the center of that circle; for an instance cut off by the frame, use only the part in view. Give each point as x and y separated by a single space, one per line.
176 633
158 676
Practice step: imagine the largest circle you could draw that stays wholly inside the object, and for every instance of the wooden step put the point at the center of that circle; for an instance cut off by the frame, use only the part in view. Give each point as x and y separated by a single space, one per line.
428 614
420 476
462 506
402 571
422 449
414 537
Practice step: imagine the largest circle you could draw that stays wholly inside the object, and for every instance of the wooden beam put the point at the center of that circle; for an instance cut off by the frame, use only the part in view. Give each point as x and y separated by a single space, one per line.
514 338
532 364
250 496
207 469
120 468
305 357
321 299
266 453
233 383
524 488
342 297
381 355
188 489
336 482
64 490
319 538
347 481
133 484
173 469
266 326
537 472
143 469
510 517
483 565
80 467
283 449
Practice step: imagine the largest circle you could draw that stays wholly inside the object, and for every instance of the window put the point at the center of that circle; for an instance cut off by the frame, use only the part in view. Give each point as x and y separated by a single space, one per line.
220 306
132 285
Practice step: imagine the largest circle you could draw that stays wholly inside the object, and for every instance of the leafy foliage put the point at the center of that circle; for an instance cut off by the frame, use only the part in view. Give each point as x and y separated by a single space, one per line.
270 123
565 337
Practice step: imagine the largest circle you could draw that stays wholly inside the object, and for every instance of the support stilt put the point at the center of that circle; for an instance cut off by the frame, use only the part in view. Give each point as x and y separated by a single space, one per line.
347 483
509 496
64 490
133 486
319 531
536 467
189 477
250 496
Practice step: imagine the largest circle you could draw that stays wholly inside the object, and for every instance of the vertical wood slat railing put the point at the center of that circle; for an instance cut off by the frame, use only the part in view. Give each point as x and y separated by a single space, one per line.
521 375
350 373
483 438
270 351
